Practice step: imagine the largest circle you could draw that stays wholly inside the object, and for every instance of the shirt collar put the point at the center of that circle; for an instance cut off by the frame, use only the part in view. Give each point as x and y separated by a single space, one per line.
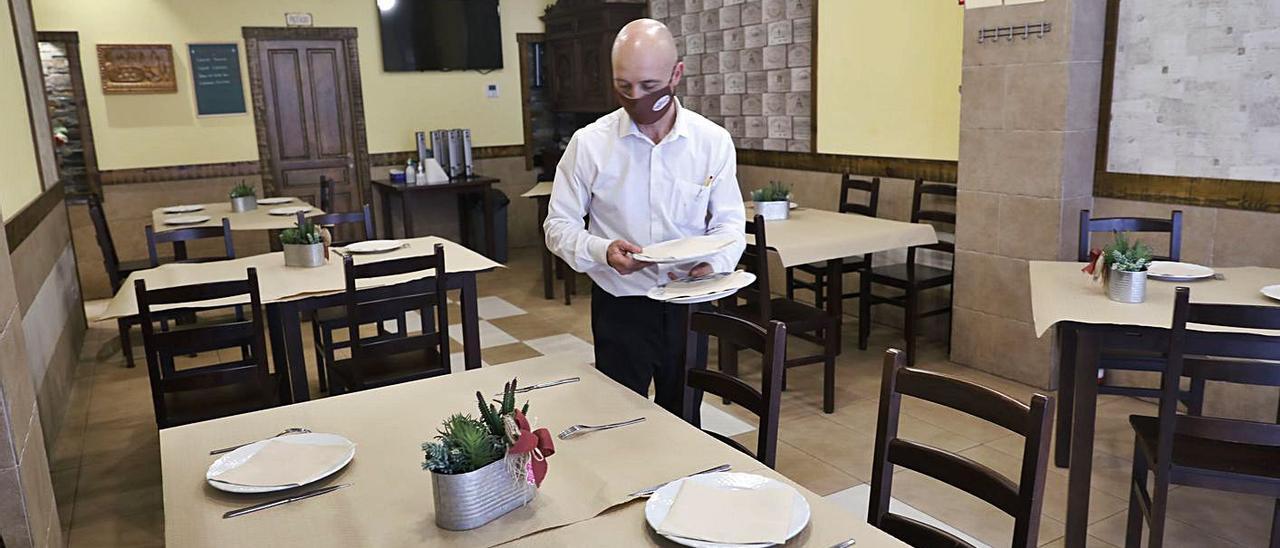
680 129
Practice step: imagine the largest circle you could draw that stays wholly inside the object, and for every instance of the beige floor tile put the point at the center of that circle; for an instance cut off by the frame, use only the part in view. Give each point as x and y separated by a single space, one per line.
849 450
1177 534
508 353
962 510
1245 519
1101 504
139 529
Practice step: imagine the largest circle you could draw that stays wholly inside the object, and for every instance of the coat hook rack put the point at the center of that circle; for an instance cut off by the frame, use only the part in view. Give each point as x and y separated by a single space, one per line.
1024 31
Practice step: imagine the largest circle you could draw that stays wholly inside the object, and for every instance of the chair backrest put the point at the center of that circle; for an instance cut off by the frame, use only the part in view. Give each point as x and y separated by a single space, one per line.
1171 226
162 347
180 236
765 403
1022 500
1237 358
108 247
426 294
362 218
755 259
924 210
326 194
872 188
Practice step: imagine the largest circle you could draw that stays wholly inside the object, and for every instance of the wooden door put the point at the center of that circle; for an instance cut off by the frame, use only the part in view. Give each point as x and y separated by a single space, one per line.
307 93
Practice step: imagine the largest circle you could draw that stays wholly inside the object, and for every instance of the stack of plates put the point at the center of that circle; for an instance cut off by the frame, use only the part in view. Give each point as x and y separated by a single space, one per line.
274 201
684 250
281 463
1170 271
183 208
727 510
703 288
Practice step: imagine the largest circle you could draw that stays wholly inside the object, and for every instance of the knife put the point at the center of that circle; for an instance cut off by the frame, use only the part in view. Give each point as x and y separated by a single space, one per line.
285 500
650 490
547 384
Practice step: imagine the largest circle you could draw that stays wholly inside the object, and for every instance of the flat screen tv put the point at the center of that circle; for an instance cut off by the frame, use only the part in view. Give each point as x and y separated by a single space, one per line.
440 35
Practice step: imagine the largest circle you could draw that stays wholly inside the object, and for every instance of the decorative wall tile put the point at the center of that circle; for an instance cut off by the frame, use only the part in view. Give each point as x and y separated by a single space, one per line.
688 24
798 55
731 105
735 83
779 127
730 17
692 6
711 63
798 103
752 105
779 32
691 103
751 12
736 126
658 9
693 85
713 41
729 62
692 64
755 36
801 128
775 144
800 79
799 8
775 104
802 30
713 84
709 20
733 2
775 57
712 4
751 59
710 105
734 39
693 43
797 146
757 82
757 127
773 10
779 81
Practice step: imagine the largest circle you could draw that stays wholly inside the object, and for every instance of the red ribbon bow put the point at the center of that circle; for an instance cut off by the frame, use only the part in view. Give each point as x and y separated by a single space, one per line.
1095 259
536 443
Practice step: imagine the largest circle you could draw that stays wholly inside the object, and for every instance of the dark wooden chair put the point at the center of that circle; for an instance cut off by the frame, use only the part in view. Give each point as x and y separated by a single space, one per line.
911 277
765 403
818 271
178 237
326 197
761 307
1022 500
192 394
117 270
1207 452
1171 226
385 360
362 220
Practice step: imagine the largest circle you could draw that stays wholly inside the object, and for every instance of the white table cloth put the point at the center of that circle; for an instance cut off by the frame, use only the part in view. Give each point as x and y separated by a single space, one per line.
256 219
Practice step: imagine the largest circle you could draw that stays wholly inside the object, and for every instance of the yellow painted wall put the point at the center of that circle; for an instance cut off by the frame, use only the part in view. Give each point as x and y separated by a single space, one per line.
889 78
19 172
162 129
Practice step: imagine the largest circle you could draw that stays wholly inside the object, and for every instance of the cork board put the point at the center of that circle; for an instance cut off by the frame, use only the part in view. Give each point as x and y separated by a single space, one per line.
748 67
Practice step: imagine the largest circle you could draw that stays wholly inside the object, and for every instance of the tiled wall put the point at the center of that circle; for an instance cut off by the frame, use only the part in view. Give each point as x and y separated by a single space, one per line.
747 67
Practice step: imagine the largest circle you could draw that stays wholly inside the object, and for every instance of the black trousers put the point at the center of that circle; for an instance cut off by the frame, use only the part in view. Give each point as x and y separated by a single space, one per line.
639 340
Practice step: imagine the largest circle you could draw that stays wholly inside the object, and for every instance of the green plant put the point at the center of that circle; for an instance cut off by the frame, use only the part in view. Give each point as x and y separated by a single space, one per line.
464 444
303 234
242 190
775 192
1127 256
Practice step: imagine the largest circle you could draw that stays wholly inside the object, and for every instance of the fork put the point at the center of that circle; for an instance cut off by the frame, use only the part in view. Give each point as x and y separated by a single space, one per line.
580 429
845 544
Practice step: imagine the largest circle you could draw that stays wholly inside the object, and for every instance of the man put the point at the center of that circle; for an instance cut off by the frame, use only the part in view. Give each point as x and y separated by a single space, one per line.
649 172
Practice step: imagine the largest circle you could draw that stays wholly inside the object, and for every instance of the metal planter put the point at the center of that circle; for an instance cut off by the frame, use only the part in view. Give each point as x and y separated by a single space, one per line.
1127 287
304 256
244 203
774 211
467 501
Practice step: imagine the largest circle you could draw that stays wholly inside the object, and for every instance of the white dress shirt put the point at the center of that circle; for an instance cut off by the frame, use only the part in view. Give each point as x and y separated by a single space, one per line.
632 189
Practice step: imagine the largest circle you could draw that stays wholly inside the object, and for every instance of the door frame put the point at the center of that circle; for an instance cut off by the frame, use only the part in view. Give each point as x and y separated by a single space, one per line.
72 41
348 36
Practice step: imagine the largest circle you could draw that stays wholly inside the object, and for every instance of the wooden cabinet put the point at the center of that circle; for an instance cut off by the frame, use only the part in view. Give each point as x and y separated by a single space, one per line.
579 38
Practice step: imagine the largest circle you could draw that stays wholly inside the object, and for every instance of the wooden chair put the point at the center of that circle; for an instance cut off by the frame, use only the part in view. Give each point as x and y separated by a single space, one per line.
818 271
117 270
182 396
179 237
1022 500
326 197
1207 452
911 277
761 307
385 360
771 343
1171 226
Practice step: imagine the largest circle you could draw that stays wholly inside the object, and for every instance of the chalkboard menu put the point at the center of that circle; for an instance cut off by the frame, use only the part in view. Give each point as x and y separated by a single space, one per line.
215 69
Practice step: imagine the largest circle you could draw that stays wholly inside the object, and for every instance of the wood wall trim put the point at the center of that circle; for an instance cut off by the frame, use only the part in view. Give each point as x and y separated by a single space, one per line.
942 171
21 225
1170 189
299 33
179 173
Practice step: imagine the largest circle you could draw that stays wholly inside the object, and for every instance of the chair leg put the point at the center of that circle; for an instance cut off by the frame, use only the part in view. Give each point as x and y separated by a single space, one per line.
1137 485
1195 404
864 310
909 324
126 346
1159 504
829 370
791 284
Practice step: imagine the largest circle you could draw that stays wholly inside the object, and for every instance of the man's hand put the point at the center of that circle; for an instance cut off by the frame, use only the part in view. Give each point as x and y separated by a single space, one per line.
619 257
701 269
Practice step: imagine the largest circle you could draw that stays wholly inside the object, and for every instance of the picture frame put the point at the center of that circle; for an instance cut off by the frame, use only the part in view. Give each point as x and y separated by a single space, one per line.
137 68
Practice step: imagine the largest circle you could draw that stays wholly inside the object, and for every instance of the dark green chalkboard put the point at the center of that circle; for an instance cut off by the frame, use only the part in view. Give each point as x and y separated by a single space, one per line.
216 71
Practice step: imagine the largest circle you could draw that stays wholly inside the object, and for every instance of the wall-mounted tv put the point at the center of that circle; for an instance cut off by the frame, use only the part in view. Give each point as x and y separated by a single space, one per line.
440 35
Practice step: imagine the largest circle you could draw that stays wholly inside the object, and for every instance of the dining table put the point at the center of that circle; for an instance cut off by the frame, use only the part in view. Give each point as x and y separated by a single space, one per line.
552 266
815 235
260 218
290 293
585 499
473 185
1065 298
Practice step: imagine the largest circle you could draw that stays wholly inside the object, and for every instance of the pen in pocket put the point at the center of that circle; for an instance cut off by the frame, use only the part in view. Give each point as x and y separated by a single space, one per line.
708 181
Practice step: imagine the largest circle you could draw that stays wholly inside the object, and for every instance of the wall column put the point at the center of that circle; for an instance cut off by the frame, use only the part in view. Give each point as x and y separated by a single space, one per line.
1028 132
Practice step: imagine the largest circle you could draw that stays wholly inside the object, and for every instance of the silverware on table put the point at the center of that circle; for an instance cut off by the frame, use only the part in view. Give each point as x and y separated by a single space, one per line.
650 490
580 429
287 431
285 500
547 384
1219 276
845 544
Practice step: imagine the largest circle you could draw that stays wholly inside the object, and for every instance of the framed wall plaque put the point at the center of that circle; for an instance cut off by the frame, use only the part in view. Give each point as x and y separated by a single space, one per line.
136 68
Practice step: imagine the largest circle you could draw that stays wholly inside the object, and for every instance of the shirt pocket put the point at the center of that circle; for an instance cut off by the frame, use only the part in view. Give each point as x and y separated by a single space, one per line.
689 206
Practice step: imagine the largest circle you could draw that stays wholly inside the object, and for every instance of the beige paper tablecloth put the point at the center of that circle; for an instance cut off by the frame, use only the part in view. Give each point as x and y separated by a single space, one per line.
390 501
538 190
277 282
813 235
257 219
1060 292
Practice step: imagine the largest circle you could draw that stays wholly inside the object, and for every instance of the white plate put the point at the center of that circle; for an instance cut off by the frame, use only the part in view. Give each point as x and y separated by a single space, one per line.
698 299
655 511
274 201
752 205
374 246
294 210
186 220
242 455
684 249
1178 272
183 208
718 286
1272 291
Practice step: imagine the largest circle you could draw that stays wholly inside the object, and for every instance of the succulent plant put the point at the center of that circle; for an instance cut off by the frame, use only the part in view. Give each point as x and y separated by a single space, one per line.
1127 256
464 444
303 234
775 192
242 190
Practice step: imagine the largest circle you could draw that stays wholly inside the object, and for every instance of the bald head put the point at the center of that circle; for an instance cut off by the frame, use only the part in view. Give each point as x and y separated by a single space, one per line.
644 58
